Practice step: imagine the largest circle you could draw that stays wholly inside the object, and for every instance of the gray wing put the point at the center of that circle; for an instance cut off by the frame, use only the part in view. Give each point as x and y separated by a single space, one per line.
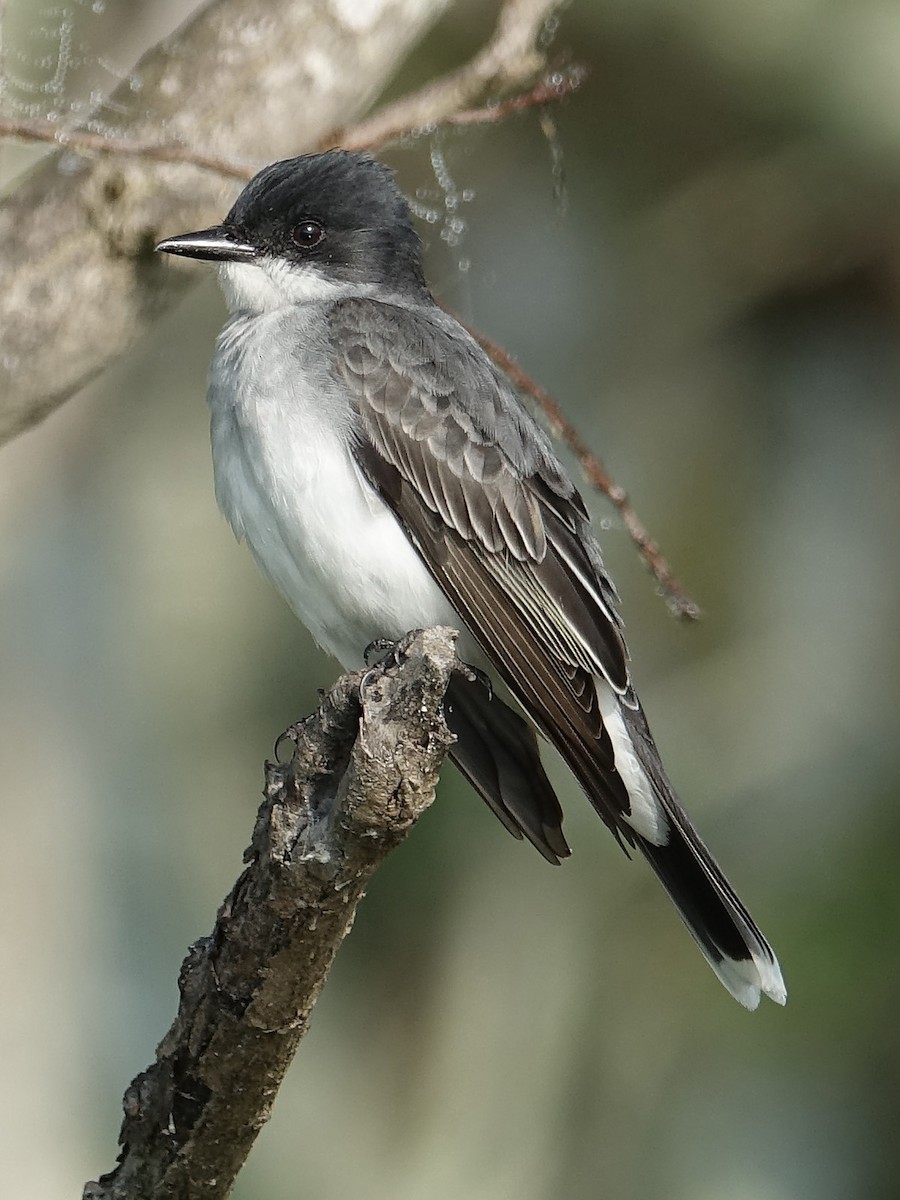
505 534
473 480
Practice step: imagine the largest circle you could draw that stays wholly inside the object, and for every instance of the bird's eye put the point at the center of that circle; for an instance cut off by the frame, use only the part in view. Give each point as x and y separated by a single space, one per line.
307 234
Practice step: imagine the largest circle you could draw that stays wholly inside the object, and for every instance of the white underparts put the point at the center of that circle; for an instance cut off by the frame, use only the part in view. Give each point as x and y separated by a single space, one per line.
288 484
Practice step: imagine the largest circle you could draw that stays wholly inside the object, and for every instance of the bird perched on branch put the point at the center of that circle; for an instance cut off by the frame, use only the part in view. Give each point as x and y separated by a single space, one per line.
386 477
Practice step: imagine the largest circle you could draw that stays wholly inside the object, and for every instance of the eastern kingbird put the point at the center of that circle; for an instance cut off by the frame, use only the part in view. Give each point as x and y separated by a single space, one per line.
387 477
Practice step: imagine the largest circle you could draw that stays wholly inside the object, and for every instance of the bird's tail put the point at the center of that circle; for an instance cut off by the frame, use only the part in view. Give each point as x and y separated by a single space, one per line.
721 926
624 779
723 929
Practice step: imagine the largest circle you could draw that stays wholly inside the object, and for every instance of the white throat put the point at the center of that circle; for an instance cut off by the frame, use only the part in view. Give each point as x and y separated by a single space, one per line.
264 286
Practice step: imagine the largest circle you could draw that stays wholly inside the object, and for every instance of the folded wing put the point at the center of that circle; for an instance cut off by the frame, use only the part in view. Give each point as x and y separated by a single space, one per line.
504 532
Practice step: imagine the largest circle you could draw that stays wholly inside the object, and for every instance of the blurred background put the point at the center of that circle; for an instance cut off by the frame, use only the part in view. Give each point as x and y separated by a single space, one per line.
717 309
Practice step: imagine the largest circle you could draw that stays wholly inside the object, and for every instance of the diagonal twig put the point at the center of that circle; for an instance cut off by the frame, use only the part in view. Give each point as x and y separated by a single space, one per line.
553 87
510 59
678 599
84 141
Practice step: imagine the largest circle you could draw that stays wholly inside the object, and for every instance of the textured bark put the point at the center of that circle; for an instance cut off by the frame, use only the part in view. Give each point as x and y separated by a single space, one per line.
253 79
364 769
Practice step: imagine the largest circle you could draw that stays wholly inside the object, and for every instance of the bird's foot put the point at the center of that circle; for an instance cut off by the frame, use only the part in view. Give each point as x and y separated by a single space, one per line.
291 734
381 646
391 654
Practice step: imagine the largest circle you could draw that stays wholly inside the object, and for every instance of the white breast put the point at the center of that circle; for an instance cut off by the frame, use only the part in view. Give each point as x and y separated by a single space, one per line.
288 485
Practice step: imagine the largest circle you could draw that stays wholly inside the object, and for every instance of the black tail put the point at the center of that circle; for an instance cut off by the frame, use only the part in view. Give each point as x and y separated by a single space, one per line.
721 926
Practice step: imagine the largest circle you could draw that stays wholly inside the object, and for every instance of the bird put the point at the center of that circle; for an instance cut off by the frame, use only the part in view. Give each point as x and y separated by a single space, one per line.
387 476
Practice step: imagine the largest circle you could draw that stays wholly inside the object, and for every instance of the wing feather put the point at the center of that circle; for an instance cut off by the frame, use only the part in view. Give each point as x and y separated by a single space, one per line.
506 536
498 524
488 473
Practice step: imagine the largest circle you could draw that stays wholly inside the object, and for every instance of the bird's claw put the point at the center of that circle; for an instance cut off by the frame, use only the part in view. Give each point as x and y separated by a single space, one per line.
291 734
392 655
379 646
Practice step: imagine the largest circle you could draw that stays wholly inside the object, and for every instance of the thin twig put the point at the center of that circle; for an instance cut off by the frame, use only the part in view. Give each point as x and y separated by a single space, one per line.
511 59
678 599
507 60
83 141
548 90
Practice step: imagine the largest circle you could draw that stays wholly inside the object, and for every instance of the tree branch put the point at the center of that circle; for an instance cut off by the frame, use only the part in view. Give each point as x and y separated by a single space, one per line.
509 60
364 769
84 141
92 285
245 79
87 142
556 86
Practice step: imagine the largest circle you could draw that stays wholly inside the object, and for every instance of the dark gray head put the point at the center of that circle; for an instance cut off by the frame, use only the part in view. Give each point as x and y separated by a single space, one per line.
336 217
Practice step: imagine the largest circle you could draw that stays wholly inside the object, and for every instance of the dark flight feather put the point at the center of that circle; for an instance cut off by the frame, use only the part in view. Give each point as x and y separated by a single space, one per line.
479 491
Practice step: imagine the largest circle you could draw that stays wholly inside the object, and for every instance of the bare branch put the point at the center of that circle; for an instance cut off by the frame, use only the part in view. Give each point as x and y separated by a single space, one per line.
84 141
89 287
79 279
555 87
510 59
430 99
364 769
680 602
